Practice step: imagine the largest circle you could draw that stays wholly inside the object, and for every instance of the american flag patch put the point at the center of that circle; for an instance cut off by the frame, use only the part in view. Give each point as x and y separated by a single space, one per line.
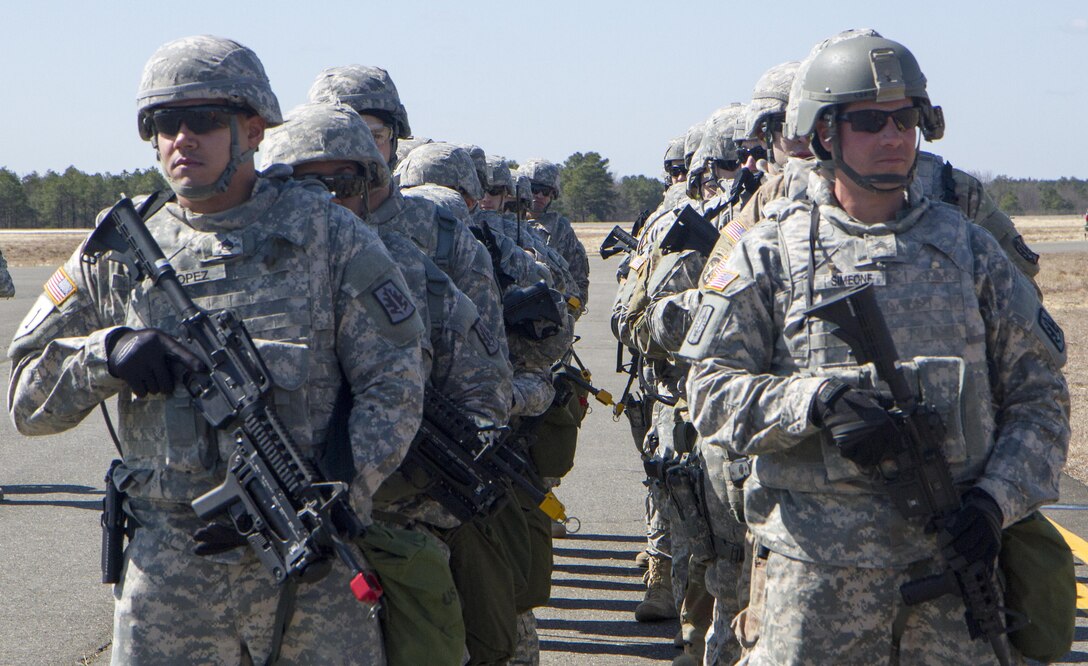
720 278
734 230
59 287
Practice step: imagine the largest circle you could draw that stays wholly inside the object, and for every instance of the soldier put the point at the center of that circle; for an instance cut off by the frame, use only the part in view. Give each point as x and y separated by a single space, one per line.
321 297
7 286
769 381
447 241
676 170
546 187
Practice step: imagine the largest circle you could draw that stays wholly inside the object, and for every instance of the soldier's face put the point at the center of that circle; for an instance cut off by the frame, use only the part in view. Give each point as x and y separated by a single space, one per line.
197 159
541 199
888 151
493 201
382 133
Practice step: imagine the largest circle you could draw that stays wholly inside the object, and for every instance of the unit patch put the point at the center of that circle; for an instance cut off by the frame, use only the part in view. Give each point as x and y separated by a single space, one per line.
1024 251
839 280
59 287
216 272
1053 332
695 333
720 278
397 306
490 342
34 318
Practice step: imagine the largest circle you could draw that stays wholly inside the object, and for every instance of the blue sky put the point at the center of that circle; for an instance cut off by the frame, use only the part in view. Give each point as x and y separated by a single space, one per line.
547 79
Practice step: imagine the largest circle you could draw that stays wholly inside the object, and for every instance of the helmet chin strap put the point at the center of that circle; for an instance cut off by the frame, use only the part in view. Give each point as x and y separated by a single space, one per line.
238 156
880 183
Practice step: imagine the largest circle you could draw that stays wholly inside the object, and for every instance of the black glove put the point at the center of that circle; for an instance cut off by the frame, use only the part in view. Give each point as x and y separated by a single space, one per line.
144 358
973 532
215 538
860 427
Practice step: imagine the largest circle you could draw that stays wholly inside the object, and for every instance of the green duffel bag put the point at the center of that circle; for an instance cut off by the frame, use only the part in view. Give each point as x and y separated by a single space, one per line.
1041 584
555 438
421 611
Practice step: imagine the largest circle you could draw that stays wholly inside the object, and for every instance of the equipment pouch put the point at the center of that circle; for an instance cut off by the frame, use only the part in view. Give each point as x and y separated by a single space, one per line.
1039 582
421 610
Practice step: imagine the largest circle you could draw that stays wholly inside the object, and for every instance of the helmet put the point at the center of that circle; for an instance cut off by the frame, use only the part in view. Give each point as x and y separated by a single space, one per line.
769 97
206 67
479 159
674 155
365 89
440 164
718 135
440 196
692 138
322 132
794 101
405 146
864 68
498 174
542 172
523 185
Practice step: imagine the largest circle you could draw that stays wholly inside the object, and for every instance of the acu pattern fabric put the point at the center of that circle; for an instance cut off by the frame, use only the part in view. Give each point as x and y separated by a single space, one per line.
561 237
979 349
7 286
322 298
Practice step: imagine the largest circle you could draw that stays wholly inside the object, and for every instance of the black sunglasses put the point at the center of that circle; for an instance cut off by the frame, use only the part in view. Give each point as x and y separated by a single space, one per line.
496 191
727 165
543 189
773 124
874 120
341 185
677 171
198 119
758 152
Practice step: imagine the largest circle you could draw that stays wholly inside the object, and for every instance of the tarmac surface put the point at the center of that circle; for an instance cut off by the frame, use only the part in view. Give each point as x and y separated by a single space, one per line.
54 610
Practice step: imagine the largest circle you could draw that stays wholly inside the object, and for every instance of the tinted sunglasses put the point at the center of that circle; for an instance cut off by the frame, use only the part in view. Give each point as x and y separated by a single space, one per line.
544 190
381 133
341 185
757 152
773 124
727 165
496 191
677 171
198 119
873 120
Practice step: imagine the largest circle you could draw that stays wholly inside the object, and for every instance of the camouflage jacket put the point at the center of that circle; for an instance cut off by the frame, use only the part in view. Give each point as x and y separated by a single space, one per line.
318 292
7 287
561 237
976 342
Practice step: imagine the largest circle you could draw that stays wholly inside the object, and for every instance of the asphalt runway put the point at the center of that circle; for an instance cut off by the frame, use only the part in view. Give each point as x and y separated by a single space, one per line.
54 610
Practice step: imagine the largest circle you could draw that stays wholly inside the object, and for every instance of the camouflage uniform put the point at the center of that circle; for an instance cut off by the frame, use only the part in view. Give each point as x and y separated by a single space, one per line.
975 344
254 256
7 286
560 234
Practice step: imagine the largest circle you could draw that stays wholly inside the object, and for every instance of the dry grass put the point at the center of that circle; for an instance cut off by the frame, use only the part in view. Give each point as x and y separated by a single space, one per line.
40 248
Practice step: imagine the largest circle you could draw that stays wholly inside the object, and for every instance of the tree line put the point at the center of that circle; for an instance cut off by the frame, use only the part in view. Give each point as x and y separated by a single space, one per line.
590 193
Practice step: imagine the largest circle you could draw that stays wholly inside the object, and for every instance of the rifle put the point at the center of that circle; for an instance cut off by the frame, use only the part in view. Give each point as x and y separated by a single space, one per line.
690 231
617 241
486 236
290 515
531 311
917 478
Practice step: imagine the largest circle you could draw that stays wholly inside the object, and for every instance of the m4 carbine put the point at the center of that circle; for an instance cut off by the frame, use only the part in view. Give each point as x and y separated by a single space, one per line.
917 476
291 517
690 231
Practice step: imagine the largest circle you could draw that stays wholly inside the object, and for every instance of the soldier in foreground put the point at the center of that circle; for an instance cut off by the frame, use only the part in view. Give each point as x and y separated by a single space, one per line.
770 380
320 296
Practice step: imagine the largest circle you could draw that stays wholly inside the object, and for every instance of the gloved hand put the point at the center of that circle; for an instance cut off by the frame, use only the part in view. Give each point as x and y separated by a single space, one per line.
974 532
215 538
860 427
144 358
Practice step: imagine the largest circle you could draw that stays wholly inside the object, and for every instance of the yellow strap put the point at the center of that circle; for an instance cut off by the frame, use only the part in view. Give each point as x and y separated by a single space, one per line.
553 507
1080 550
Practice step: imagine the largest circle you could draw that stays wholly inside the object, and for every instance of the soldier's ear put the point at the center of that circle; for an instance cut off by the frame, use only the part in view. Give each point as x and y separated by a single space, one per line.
254 127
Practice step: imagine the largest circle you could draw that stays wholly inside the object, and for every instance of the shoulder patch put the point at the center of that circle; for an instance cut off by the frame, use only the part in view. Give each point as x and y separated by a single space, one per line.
396 304
59 287
487 338
1051 330
720 278
734 230
637 262
1024 251
35 317
702 318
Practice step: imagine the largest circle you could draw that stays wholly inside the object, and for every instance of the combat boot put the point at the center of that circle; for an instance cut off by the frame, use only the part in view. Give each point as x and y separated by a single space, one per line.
658 604
642 560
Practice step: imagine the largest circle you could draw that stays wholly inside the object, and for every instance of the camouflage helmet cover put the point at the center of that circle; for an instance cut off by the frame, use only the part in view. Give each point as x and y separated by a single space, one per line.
205 67
675 151
770 96
718 135
440 196
405 146
865 68
363 89
479 158
440 164
499 175
322 132
692 138
542 172
524 188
